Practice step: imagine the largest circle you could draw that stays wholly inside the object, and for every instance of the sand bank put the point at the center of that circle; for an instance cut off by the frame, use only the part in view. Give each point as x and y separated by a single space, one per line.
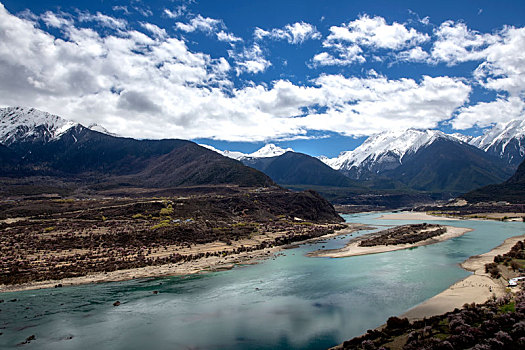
477 288
353 248
410 215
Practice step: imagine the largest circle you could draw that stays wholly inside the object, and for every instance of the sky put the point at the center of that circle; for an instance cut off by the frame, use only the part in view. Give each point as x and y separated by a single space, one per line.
316 76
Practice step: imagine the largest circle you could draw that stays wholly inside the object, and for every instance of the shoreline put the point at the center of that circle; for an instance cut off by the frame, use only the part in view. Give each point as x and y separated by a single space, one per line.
353 248
202 265
478 287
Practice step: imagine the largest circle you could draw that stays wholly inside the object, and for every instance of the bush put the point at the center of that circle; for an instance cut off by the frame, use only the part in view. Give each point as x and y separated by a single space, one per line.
397 323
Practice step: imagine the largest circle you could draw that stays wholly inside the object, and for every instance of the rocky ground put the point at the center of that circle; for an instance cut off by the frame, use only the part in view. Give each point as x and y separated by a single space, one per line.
52 239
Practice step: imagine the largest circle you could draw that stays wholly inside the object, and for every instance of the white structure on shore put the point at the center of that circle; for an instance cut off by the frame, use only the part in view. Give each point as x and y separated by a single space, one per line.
513 282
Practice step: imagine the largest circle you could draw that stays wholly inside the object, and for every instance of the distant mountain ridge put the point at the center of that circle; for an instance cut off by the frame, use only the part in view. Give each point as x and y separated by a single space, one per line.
506 141
268 150
383 151
292 168
40 144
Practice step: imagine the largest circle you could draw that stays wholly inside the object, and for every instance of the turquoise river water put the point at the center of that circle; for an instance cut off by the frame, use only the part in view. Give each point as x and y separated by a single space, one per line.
290 302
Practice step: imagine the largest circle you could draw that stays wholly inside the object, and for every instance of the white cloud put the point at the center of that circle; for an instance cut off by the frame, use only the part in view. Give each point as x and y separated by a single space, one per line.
415 54
295 33
250 60
151 86
504 66
103 20
124 9
228 37
376 33
456 43
155 30
52 19
485 114
345 55
205 24
144 11
345 43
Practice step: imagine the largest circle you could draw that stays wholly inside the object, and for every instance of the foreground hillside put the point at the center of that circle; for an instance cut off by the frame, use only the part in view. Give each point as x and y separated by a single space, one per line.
56 239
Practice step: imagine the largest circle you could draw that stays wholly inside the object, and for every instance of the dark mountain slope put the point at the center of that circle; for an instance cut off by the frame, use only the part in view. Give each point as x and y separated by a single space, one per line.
85 153
448 166
512 190
293 168
192 164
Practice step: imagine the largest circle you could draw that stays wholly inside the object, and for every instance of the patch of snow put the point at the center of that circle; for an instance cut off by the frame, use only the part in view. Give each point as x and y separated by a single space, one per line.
502 135
269 150
19 123
388 146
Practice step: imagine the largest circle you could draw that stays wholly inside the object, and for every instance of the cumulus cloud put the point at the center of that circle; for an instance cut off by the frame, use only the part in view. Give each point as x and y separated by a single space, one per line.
501 68
250 60
376 33
504 65
204 24
348 40
227 37
416 54
484 114
155 30
52 19
295 33
345 55
456 43
151 85
103 20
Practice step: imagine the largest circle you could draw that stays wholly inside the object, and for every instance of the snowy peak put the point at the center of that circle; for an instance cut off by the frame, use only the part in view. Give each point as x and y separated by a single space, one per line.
229 154
269 150
29 124
386 148
20 123
101 129
506 141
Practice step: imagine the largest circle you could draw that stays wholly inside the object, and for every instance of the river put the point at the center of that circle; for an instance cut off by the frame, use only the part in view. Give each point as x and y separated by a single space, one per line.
287 302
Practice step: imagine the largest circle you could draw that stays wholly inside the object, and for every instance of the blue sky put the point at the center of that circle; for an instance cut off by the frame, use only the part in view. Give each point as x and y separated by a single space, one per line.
317 76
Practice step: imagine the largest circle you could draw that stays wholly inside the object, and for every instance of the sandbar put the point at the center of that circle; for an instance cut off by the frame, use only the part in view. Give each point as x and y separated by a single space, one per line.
412 215
353 248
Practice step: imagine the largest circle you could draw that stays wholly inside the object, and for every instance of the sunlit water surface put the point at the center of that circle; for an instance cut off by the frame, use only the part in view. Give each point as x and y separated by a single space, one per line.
288 302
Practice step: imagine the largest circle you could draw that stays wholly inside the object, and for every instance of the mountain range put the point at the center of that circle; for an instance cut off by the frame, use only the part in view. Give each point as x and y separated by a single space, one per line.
419 160
37 144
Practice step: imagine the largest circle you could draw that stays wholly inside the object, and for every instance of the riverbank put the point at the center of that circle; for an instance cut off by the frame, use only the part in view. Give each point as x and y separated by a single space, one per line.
353 248
202 265
478 287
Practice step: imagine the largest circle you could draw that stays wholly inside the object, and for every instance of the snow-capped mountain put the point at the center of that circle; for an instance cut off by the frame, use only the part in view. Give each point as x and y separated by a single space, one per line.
20 123
269 150
101 129
384 151
33 125
506 141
